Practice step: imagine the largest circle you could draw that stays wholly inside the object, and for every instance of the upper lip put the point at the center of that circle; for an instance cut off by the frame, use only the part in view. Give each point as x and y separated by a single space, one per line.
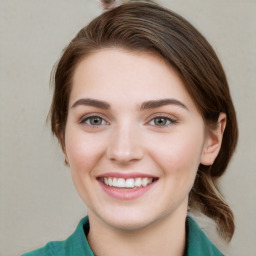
126 175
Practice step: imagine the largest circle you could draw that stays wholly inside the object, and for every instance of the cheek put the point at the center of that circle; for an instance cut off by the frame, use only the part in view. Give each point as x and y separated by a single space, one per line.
82 151
179 156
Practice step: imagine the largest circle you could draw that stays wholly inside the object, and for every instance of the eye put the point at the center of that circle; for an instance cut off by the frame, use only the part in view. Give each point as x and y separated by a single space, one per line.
162 121
93 121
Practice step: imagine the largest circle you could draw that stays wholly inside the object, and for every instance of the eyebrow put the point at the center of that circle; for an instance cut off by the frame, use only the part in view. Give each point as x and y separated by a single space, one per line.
159 103
91 102
145 105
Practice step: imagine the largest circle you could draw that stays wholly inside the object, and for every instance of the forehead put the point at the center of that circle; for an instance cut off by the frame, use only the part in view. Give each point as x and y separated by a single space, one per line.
117 74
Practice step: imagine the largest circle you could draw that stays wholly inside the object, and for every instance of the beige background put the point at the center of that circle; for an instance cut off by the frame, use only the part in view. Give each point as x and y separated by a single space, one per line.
38 201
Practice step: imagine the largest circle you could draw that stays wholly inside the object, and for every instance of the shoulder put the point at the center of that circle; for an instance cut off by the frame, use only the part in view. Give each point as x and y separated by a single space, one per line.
56 248
75 245
198 243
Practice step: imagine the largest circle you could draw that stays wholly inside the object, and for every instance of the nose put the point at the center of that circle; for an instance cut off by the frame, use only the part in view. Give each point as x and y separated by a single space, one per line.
125 145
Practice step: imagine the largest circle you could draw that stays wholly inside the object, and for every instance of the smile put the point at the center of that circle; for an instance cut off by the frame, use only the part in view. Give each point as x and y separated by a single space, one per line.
127 186
129 183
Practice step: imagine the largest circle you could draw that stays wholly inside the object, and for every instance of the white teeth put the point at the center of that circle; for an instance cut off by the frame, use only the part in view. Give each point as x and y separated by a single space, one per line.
137 182
127 183
114 182
120 183
110 182
144 182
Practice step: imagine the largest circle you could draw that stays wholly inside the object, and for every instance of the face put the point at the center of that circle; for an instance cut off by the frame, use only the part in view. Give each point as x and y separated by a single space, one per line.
134 138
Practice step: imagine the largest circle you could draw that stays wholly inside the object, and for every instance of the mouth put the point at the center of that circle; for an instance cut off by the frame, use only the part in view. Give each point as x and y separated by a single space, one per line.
127 183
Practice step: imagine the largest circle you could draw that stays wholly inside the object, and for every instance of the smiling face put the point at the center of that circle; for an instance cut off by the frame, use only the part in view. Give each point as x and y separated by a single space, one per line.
134 138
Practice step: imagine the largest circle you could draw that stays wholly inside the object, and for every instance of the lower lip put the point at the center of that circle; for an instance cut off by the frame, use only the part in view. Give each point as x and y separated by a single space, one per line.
126 194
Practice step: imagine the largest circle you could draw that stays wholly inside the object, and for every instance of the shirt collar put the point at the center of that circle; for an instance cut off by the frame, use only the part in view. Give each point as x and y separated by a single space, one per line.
197 242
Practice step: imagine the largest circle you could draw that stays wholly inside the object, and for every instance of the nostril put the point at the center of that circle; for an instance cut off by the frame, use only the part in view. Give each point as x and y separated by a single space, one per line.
122 156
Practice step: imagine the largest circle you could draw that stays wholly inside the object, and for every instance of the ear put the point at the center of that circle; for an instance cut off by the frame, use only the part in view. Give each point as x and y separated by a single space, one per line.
63 147
66 159
213 141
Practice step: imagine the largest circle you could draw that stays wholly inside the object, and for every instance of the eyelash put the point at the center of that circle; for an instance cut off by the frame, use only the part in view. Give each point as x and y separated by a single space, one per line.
93 116
167 118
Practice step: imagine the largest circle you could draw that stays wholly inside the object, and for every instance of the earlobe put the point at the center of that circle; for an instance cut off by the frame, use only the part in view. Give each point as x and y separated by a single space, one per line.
62 142
66 161
213 141
66 157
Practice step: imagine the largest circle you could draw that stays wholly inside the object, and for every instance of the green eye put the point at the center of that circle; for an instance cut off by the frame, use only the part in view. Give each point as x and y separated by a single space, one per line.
162 121
94 121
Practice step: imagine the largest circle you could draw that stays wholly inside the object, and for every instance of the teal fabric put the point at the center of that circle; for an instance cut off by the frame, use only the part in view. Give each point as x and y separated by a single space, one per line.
198 244
75 245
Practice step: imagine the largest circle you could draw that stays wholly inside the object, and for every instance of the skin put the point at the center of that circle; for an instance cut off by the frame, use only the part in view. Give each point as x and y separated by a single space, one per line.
130 139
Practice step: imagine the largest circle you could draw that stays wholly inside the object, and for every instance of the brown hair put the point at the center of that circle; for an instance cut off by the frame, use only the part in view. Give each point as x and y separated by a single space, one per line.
149 27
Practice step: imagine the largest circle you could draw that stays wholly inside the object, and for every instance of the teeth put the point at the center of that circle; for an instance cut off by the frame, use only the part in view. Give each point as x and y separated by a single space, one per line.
114 182
110 182
144 182
120 183
127 183
137 182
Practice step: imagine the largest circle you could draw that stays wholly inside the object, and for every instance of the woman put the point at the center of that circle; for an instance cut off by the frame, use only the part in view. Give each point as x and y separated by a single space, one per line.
143 113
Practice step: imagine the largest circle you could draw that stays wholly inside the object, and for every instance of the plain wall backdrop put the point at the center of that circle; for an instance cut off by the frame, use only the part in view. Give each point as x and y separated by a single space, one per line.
38 202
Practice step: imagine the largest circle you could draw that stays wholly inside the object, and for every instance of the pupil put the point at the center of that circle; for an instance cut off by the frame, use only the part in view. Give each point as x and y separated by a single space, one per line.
160 121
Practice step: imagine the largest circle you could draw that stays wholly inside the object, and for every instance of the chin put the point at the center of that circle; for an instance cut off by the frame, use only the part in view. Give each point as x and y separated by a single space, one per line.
131 224
132 220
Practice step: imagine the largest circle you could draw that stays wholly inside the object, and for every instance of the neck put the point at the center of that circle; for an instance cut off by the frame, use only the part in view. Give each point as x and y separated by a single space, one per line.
165 237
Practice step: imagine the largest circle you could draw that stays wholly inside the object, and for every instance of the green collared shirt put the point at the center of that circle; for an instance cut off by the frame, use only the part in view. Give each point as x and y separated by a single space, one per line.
198 244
